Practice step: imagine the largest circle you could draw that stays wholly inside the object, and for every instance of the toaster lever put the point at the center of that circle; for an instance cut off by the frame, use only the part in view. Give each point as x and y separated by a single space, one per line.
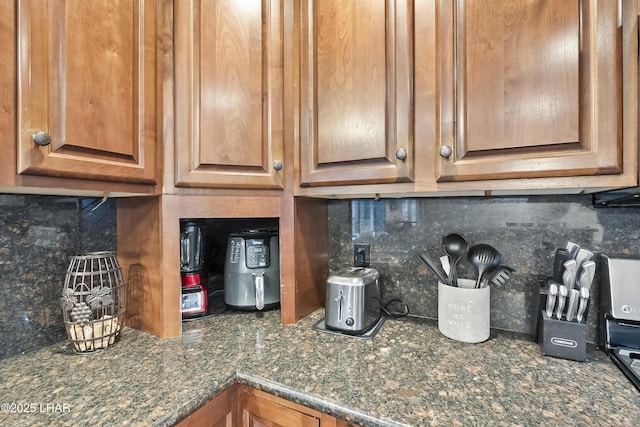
339 300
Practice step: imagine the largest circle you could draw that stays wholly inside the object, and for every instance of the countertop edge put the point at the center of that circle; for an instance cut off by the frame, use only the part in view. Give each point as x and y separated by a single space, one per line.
279 390
192 405
316 403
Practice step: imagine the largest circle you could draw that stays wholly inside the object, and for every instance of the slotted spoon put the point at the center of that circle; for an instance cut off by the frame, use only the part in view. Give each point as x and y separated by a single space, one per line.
484 258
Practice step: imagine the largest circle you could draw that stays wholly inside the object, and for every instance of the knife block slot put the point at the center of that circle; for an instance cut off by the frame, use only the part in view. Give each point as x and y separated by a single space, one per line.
562 339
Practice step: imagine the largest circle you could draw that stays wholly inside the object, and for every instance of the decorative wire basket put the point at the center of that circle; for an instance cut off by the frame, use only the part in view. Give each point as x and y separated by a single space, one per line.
94 301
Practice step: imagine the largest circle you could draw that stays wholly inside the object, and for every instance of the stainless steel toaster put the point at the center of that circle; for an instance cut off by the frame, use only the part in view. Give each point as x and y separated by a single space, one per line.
353 300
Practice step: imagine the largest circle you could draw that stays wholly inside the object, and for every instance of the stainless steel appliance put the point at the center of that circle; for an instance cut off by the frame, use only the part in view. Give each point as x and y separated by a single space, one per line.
192 270
353 300
620 327
252 270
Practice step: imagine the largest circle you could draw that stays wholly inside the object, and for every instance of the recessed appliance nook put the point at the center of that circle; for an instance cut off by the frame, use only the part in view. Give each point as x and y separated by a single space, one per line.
228 263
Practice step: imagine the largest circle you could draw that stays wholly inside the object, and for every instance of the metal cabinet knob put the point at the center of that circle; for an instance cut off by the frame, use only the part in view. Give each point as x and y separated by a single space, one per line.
401 154
277 165
41 138
445 151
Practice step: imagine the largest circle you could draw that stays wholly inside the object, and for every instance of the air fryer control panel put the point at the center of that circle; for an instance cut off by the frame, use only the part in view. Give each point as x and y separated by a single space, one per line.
252 251
257 253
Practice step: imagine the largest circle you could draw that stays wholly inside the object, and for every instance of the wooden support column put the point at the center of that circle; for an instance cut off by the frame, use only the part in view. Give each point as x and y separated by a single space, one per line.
304 253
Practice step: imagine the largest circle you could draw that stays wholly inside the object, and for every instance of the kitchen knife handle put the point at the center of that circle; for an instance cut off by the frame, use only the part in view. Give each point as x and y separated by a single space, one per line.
582 307
574 295
562 295
562 255
573 249
586 275
551 299
569 275
583 256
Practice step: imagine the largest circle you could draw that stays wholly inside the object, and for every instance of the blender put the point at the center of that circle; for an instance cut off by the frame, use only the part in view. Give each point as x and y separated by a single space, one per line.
193 278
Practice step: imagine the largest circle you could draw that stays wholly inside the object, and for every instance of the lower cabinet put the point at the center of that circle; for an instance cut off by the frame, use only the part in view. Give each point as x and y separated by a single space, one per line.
221 411
261 409
240 405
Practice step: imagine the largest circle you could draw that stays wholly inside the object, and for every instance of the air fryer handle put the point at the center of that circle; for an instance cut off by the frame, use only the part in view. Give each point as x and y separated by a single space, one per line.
258 283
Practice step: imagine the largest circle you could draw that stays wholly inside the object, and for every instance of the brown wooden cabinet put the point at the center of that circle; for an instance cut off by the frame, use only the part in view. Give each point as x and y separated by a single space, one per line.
504 97
241 405
88 89
260 409
530 89
257 408
221 411
356 117
229 121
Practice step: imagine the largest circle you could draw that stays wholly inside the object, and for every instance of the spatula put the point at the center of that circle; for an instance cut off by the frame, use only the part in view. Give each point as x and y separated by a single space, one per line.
498 276
433 267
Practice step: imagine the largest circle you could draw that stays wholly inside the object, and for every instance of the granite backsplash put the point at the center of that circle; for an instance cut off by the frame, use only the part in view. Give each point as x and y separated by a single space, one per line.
526 230
38 234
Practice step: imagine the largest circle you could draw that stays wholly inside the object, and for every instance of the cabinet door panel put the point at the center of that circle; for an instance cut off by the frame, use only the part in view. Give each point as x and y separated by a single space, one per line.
258 412
512 77
221 411
351 99
537 89
229 93
356 68
87 76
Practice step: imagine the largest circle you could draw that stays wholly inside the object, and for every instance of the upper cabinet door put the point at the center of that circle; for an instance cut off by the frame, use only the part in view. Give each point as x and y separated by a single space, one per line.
229 93
88 89
529 89
356 68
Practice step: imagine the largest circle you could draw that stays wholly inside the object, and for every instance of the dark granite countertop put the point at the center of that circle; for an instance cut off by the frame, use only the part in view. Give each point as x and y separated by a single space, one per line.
409 374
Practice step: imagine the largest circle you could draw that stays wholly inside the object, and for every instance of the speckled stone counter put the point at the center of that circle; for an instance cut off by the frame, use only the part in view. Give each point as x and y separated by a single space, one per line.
409 374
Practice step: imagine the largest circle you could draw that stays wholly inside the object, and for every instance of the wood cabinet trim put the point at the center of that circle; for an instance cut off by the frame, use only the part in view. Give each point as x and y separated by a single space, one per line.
7 93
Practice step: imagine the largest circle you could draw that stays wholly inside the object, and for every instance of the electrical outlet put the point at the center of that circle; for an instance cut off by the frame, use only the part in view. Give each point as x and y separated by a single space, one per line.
361 255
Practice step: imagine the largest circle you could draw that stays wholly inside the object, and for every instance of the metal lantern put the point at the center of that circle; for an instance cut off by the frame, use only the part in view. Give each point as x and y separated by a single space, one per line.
94 301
